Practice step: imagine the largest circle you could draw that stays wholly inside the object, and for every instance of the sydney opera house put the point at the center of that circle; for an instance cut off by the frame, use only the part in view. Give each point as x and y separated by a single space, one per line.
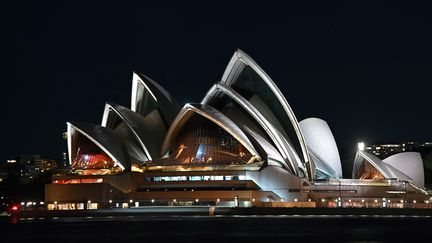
242 145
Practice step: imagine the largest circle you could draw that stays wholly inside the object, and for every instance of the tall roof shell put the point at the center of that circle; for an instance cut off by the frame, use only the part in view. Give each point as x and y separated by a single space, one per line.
290 160
250 80
149 131
148 95
320 140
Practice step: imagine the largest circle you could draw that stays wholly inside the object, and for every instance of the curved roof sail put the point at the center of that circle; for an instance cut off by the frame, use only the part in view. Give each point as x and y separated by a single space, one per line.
322 144
215 98
148 132
406 166
410 164
250 80
147 95
273 157
105 139
215 117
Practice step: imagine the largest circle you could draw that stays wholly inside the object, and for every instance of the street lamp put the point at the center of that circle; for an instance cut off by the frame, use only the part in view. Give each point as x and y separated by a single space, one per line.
361 146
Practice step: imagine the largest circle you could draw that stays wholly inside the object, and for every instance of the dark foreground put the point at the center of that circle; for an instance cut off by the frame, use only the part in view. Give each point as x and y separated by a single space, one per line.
266 229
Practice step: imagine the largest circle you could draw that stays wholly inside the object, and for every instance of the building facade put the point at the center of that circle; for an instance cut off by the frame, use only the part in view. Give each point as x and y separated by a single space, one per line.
240 146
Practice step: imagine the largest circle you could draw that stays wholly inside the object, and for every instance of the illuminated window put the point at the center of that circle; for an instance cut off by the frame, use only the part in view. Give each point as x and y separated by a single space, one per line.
201 142
78 181
88 158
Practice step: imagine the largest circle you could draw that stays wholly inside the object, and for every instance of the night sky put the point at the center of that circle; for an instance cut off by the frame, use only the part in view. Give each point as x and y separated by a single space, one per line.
365 69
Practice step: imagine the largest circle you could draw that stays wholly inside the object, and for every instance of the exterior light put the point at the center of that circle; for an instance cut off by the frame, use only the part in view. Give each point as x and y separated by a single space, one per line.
110 201
152 200
174 200
349 200
34 203
323 200
376 200
389 201
295 200
268 200
282 199
89 201
197 200
414 201
218 200
131 201
22 203
401 201
253 199
362 200
41 203
55 202
361 146
309 200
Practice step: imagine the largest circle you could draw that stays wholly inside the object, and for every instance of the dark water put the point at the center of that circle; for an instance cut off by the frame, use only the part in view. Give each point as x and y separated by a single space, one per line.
264 229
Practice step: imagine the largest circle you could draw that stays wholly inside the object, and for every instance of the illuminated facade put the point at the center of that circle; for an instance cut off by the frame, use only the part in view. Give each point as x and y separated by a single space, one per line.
241 146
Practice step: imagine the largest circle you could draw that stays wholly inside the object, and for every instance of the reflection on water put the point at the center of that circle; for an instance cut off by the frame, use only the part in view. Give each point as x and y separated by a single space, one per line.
221 228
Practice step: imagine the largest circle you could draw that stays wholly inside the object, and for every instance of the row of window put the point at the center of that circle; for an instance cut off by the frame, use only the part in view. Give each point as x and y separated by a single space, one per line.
196 178
78 181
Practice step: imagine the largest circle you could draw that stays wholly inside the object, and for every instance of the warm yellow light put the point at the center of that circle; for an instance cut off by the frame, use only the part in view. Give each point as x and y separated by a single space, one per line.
218 200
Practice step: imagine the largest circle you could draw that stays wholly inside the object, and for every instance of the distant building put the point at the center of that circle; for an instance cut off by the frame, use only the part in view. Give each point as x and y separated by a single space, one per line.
385 150
25 169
